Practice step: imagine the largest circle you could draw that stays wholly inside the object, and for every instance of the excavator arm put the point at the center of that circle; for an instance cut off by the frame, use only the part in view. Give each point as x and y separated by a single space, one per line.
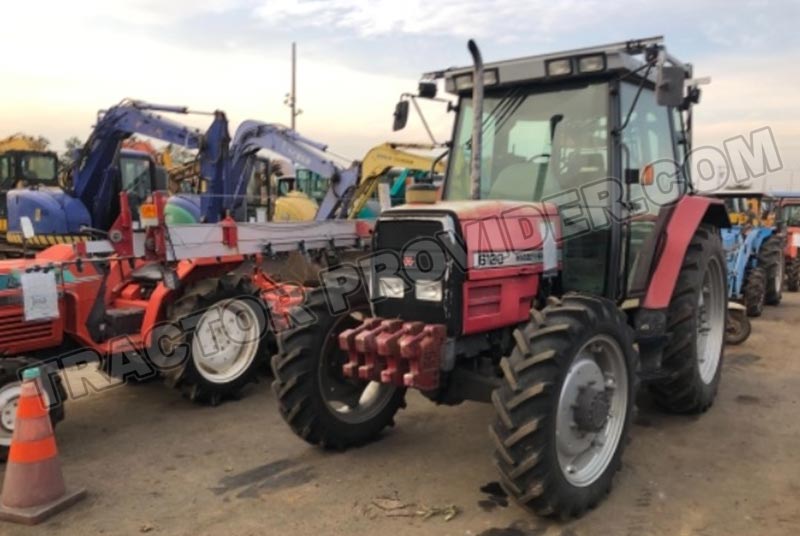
253 136
94 172
381 158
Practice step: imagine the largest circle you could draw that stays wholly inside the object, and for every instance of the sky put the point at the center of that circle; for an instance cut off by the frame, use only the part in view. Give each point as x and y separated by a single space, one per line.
66 60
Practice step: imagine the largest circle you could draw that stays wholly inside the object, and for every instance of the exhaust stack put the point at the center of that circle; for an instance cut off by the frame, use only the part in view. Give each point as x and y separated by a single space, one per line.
477 123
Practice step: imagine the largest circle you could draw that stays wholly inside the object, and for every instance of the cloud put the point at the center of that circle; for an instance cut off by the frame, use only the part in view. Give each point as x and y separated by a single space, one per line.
532 19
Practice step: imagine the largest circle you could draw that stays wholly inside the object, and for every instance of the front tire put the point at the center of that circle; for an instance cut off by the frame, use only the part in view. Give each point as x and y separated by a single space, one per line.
793 274
755 291
738 327
564 410
225 329
770 258
314 398
692 358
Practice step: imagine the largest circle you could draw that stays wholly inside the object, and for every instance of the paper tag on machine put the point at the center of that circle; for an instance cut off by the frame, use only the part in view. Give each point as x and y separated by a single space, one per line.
40 295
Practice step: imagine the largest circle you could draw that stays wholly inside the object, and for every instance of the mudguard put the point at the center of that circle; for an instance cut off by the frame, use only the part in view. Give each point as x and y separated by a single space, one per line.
689 213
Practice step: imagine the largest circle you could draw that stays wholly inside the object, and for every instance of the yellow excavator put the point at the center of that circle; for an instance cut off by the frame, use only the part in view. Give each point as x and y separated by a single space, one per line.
379 161
24 161
294 199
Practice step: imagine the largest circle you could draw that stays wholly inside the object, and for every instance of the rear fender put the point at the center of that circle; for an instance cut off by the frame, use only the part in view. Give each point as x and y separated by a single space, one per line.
188 271
689 213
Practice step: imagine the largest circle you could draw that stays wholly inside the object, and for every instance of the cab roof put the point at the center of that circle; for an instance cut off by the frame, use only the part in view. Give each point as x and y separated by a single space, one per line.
626 56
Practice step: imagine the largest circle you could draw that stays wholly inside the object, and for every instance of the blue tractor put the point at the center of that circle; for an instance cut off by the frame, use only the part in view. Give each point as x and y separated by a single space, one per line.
754 253
102 170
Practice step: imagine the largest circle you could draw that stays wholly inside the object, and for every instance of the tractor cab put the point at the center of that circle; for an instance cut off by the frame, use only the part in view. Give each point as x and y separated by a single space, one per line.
601 133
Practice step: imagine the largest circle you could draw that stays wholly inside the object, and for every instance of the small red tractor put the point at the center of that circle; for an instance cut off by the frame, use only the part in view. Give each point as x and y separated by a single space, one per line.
568 263
788 222
179 303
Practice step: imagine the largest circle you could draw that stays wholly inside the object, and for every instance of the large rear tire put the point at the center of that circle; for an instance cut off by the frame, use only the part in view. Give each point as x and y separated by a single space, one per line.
314 398
225 329
696 322
564 410
770 258
793 274
10 386
755 291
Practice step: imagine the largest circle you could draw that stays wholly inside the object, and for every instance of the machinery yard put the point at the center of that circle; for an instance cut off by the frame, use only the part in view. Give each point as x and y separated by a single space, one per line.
237 469
557 292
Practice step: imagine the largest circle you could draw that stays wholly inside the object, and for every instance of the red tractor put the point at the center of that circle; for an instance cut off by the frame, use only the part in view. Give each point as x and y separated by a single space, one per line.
178 303
567 264
788 221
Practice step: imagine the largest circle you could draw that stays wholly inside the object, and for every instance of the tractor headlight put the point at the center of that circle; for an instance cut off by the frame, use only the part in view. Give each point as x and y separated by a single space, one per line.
426 290
592 64
390 287
462 82
560 67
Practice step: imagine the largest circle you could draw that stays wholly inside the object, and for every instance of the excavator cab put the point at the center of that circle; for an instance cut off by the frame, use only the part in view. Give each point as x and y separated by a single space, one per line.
138 177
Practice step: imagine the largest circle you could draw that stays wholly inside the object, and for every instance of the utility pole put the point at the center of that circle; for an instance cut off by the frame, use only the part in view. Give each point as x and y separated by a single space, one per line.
291 98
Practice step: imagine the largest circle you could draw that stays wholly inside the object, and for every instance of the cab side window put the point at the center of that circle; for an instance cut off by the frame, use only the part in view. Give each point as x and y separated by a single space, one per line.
649 147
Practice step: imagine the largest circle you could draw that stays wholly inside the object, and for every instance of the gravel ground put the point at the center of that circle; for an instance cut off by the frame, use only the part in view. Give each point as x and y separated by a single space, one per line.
154 463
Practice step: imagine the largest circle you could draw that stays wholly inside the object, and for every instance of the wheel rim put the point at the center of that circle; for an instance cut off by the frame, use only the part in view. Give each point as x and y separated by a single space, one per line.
225 341
779 279
352 401
596 383
711 309
9 399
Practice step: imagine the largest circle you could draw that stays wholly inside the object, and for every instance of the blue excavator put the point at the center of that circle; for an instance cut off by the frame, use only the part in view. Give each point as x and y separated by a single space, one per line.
90 202
244 163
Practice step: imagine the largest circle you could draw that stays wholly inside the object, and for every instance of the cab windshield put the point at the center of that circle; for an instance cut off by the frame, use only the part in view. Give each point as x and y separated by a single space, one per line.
38 167
136 180
535 144
791 214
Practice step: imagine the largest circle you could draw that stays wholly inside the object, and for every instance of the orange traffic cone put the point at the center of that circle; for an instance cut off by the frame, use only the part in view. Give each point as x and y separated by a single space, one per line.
33 488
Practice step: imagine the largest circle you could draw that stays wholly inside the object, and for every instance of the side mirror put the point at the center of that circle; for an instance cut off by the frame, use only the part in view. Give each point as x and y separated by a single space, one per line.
161 179
400 115
427 90
669 86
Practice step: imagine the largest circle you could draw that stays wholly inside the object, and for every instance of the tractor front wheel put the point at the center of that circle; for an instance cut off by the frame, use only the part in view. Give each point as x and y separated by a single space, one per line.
316 400
770 258
692 359
755 291
225 329
738 327
793 274
564 410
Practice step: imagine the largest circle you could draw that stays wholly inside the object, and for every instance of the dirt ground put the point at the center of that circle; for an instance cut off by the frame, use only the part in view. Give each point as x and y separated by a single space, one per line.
154 463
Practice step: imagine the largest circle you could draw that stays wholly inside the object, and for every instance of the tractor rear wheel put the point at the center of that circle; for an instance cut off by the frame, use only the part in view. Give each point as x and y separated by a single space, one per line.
564 410
692 357
755 291
770 258
225 328
10 387
738 327
315 399
793 274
